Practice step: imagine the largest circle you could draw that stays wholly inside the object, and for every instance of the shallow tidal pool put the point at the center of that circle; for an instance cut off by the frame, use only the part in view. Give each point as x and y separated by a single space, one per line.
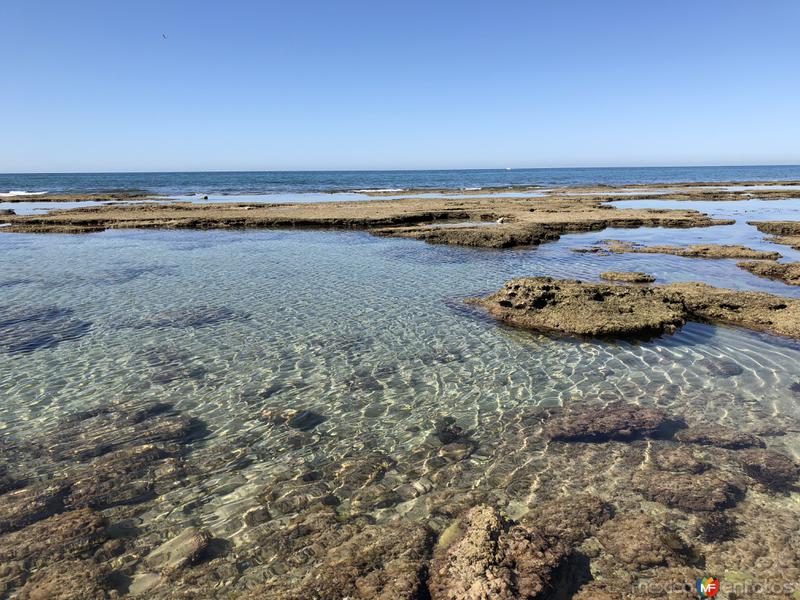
370 336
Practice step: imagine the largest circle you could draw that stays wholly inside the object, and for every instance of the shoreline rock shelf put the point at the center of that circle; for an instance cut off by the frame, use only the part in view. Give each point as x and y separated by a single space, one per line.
584 309
627 276
693 251
782 232
514 221
788 273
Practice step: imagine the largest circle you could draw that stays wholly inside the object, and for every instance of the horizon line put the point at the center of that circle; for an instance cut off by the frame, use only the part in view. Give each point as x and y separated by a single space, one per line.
134 172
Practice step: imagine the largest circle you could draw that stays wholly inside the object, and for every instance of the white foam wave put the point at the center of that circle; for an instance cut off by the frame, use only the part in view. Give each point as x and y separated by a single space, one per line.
12 193
379 190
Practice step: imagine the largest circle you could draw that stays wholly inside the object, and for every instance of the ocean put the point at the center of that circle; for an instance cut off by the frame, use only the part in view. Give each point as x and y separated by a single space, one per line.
265 182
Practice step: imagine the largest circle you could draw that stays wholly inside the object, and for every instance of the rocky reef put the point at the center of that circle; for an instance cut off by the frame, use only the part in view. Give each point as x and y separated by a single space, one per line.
627 276
26 329
82 510
782 232
788 273
577 308
490 222
692 251
603 310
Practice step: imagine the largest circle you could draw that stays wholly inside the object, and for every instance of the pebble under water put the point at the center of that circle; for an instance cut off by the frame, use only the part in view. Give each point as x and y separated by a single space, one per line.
219 414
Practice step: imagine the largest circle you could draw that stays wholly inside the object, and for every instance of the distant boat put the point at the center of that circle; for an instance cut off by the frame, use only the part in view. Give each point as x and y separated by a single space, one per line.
508 168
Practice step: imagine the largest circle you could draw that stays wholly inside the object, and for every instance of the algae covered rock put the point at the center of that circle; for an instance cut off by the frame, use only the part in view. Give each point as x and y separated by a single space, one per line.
182 550
494 558
621 311
69 580
688 491
484 554
627 276
774 470
641 541
617 421
578 308
788 273
710 434
376 562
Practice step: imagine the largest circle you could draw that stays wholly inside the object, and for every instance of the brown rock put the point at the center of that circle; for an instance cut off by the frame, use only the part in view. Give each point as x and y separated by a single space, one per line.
483 554
570 519
379 562
774 470
514 221
617 421
788 273
753 310
577 308
693 492
69 580
606 310
627 276
694 251
679 459
720 436
22 507
640 541
184 549
494 558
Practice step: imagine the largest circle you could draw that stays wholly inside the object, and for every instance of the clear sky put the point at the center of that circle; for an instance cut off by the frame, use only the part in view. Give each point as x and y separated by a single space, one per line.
338 84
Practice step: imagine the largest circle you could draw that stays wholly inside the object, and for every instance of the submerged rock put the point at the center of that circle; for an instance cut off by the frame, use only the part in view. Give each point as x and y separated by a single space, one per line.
302 420
570 519
722 367
718 527
578 308
182 550
24 330
617 421
688 491
680 459
305 420
774 470
788 273
38 501
627 276
605 310
720 436
447 431
63 537
69 580
641 541
381 562
125 476
118 425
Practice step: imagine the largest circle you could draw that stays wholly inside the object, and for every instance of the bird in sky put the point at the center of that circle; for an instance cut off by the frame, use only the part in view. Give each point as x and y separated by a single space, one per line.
164 35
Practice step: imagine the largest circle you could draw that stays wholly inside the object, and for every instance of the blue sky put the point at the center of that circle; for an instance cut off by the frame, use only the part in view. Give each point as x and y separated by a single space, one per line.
93 86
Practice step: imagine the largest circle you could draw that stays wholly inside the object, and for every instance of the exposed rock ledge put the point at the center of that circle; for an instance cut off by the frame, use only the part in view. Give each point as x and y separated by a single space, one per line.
693 251
786 272
606 310
783 232
627 276
481 222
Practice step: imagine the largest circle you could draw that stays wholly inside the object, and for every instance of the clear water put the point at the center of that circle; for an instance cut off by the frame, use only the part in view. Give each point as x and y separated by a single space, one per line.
372 334
328 181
